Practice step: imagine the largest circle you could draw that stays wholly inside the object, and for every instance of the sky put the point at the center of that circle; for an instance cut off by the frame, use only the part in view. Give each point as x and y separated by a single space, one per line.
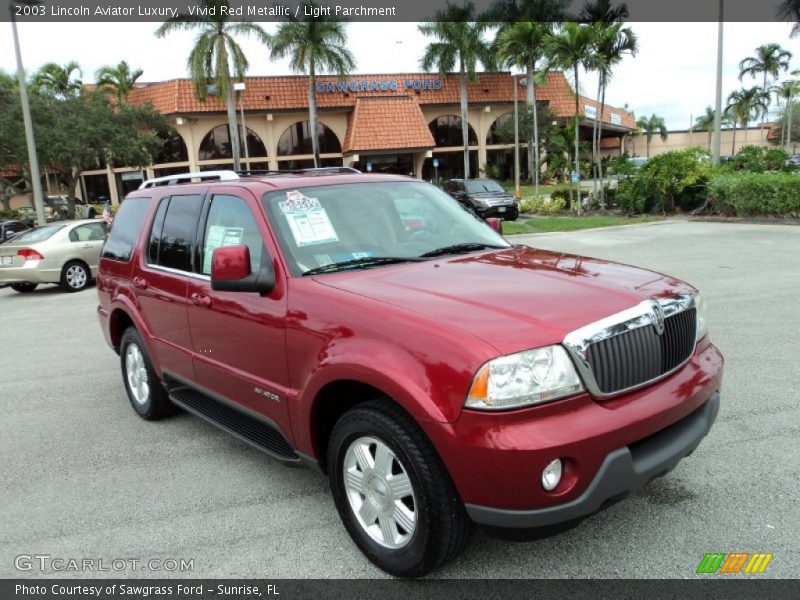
673 74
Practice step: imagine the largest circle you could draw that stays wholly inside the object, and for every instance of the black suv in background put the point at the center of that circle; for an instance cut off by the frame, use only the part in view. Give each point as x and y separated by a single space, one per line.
10 229
485 197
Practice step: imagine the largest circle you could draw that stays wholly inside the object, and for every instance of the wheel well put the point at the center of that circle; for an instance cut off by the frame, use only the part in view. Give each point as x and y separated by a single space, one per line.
118 322
331 403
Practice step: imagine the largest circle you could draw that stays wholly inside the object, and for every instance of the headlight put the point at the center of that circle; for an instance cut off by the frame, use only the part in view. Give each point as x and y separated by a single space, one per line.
529 377
481 203
700 310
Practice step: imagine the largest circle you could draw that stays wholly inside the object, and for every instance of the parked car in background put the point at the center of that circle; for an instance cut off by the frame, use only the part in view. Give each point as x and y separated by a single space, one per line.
485 197
638 161
10 228
64 252
439 375
793 161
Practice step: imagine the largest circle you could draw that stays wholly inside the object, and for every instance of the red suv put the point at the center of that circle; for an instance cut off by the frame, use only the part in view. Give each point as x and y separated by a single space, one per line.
439 375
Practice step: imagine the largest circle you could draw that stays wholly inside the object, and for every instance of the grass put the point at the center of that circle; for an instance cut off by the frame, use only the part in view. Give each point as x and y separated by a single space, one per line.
547 224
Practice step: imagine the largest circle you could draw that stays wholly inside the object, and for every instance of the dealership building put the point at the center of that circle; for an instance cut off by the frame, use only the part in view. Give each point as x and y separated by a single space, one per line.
405 123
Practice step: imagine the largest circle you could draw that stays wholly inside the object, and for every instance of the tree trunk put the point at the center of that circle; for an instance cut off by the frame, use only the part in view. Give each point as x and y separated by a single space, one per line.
230 103
312 115
595 140
745 133
733 144
648 147
709 140
530 100
789 128
763 116
464 120
577 127
599 140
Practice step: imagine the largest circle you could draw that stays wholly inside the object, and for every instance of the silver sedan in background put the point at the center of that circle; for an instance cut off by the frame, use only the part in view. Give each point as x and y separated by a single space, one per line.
65 253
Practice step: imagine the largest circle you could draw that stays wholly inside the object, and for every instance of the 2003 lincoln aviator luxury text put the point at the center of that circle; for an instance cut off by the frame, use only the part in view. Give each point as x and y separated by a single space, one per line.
372 327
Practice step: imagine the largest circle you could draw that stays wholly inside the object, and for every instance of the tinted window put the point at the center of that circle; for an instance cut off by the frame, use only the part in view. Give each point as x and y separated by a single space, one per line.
155 232
178 232
125 229
230 222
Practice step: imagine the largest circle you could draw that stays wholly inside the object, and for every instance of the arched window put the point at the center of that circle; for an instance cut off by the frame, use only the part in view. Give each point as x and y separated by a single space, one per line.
297 140
217 144
174 149
446 131
498 130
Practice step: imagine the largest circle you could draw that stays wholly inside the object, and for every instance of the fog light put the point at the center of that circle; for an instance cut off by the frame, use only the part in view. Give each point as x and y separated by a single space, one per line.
551 475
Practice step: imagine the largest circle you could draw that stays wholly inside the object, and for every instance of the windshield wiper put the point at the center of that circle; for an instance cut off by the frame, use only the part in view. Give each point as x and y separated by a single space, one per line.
461 248
364 261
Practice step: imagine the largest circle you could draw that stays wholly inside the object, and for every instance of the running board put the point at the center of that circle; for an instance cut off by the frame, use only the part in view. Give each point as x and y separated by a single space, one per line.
258 434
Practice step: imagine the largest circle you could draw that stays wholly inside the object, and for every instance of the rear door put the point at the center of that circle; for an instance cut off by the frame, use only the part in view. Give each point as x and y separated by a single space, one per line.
160 281
239 337
87 241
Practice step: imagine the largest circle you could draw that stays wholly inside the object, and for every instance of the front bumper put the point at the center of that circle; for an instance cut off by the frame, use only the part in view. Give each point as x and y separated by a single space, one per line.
505 211
624 471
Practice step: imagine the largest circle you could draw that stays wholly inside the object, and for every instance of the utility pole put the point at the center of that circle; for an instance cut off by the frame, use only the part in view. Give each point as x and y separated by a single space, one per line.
718 109
33 159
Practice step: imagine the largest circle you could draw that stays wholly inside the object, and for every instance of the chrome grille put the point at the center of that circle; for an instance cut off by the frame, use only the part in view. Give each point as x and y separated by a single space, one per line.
640 355
635 347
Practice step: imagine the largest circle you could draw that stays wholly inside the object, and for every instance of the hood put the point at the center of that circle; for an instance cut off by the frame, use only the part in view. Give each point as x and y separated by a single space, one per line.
513 299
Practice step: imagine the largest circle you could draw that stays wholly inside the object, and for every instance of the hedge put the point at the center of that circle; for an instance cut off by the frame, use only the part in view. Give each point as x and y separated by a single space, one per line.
540 205
755 194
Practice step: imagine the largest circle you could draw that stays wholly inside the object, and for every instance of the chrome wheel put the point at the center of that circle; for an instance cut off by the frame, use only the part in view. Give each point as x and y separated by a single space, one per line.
76 276
380 493
136 373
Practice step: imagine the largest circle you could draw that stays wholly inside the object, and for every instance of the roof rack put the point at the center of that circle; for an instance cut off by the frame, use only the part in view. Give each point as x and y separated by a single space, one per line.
190 178
309 171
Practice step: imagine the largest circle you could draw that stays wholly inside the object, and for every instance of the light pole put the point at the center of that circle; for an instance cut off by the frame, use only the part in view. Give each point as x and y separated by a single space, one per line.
33 160
240 87
718 108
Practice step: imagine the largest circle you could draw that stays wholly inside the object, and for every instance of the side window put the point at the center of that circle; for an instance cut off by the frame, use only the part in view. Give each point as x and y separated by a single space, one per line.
230 222
155 232
175 237
125 230
91 232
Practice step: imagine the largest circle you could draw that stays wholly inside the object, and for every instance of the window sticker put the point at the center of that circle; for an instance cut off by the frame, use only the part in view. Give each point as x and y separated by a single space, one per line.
217 237
308 221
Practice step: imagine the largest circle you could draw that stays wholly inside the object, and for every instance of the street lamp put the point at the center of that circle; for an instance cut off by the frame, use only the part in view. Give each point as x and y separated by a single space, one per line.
240 87
33 160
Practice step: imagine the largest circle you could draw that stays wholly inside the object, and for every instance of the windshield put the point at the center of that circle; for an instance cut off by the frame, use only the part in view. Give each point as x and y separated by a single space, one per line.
362 225
38 234
483 185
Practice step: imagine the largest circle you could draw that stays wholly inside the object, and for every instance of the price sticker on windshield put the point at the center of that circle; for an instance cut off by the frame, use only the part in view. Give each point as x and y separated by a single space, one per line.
308 221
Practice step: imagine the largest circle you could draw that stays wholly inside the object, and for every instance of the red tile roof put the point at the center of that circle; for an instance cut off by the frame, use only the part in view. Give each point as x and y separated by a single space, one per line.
291 93
387 124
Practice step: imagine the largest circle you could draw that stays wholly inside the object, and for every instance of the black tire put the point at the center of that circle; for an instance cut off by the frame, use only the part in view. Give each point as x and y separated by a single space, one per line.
24 288
441 523
75 276
157 404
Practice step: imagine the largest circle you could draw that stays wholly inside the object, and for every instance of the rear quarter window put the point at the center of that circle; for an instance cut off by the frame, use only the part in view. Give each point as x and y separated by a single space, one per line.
125 229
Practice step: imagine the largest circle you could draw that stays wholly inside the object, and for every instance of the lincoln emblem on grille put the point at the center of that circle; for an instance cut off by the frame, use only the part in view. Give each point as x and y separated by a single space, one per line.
658 318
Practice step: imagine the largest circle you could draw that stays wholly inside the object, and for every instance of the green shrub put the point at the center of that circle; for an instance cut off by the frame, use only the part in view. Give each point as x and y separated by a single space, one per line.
757 159
672 181
755 194
542 206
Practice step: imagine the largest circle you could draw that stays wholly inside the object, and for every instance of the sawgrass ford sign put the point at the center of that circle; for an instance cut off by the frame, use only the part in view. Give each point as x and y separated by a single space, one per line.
379 85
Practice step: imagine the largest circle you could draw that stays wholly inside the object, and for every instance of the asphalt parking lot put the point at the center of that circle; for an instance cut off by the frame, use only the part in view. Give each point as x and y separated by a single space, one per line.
82 477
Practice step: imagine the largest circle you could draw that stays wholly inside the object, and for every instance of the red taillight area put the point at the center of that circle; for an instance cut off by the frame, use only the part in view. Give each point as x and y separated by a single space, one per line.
29 254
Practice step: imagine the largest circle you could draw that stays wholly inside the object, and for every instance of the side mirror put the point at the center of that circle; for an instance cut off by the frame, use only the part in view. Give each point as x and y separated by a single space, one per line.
231 272
496 224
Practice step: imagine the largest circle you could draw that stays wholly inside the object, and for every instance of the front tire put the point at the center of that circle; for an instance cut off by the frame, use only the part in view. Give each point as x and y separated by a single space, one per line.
75 276
146 393
393 494
24 288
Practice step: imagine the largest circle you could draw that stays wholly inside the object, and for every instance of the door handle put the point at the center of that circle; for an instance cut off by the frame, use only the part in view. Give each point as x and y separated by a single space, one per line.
201 300
87 246
140 282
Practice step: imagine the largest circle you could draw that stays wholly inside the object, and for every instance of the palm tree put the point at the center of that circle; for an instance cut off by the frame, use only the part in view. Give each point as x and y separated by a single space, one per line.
59 81
745 105
706 122
650 126
770 60
459 42
571 48
789 10
214 54
119 79
520 42
612 43
786 91
314 45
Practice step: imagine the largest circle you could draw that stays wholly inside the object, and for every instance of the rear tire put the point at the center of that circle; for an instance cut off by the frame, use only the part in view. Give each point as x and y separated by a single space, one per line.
146 393
24 288
393 493
75 276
